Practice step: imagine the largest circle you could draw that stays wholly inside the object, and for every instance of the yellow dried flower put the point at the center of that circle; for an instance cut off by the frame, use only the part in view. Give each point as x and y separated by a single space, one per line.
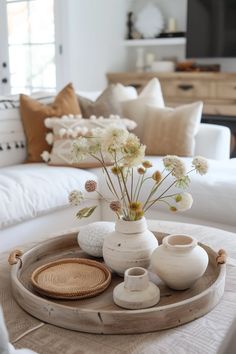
135 206
178 198
141 170
116 170
157 176
139 214
172 208
147 164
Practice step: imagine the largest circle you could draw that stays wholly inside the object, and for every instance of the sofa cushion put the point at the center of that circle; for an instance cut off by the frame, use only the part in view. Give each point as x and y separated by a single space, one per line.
136 108
67 129
171 131
33 114
30 190
105 104
12 136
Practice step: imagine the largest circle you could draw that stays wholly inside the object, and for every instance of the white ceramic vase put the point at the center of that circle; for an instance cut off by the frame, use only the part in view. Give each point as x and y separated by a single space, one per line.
130 245
136 292
179 261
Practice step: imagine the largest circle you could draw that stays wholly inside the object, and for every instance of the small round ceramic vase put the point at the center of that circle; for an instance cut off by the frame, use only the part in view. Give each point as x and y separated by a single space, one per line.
136 292
91 237
130 245
179 261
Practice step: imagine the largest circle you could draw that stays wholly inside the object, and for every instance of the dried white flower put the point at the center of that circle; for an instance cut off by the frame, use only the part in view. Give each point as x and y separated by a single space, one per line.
75 197
184 201
113 138
49 138
176 165
134 152
200 164
45 156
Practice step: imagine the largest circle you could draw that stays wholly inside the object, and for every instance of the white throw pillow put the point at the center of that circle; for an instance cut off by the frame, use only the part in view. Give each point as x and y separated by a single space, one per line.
66 129
172 131
135 109
124 93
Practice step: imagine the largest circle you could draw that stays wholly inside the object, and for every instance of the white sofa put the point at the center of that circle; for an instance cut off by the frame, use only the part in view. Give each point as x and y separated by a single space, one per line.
34 197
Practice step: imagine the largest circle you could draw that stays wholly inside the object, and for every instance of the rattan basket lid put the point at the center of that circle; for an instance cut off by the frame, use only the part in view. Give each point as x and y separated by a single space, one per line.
71 278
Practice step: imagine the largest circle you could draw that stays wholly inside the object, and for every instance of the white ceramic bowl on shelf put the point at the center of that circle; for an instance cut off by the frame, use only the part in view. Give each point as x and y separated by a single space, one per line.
163 66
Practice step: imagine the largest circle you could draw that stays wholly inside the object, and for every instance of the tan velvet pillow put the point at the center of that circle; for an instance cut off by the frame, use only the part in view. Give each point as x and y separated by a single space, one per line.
105 105
172 131
33 114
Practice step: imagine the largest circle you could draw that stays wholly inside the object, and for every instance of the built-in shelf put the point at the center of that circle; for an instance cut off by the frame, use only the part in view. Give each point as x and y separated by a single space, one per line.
155 42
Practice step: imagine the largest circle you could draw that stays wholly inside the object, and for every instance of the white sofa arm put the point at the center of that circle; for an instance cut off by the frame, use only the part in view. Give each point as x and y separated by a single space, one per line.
213 142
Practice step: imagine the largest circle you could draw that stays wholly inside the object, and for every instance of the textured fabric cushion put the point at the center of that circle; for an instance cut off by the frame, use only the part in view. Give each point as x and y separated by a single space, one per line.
67 129
12 136
136 108
172 131
30 190
105 105
33 114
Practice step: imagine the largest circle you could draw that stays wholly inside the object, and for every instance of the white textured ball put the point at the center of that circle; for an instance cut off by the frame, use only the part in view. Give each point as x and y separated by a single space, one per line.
91 237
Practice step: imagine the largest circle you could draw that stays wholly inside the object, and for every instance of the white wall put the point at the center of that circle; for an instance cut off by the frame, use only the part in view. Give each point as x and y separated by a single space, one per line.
96 29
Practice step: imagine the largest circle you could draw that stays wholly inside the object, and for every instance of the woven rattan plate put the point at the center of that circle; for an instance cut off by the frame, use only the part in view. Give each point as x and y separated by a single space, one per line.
71 278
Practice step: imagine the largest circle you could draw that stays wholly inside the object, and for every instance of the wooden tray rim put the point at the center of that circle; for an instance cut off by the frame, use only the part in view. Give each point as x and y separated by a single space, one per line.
16 268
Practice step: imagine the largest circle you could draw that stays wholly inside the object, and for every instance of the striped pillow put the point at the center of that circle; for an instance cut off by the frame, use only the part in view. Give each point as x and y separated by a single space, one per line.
12 137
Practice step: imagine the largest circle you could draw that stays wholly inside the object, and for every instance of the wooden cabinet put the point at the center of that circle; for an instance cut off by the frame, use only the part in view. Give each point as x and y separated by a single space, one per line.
216 90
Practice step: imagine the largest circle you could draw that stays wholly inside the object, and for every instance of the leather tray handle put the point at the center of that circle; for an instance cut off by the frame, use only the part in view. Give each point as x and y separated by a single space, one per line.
15 257
221 257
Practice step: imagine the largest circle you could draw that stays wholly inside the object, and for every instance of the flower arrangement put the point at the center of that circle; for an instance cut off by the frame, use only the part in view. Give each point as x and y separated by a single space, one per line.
127 158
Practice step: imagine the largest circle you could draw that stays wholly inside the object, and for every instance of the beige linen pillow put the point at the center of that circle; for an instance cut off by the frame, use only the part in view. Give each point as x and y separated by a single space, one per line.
105 105
66 129
136 108
172 131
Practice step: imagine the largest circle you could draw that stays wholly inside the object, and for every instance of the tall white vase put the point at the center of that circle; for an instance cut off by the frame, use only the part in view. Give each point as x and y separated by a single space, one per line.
130 245
179 261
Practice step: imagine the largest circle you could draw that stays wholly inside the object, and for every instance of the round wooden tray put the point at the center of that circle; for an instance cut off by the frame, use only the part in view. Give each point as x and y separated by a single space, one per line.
100 314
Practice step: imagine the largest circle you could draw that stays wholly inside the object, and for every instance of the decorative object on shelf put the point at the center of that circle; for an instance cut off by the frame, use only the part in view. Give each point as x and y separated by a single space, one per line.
71 278
136 292
149 21
172 25
150 58
130 25
179 261
91 237
139 66
190 66
126 179
130 245
163 66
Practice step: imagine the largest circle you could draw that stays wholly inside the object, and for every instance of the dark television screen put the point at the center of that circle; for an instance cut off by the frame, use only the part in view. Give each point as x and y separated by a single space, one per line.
211 28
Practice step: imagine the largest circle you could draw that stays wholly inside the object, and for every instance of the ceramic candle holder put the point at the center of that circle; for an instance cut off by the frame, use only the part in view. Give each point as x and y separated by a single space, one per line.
136 292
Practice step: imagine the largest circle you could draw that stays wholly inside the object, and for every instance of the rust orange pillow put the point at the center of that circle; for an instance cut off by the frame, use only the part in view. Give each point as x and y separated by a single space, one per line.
33 114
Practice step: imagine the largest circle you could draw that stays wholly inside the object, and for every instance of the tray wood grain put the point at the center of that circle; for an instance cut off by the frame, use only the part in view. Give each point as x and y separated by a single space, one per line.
100 314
